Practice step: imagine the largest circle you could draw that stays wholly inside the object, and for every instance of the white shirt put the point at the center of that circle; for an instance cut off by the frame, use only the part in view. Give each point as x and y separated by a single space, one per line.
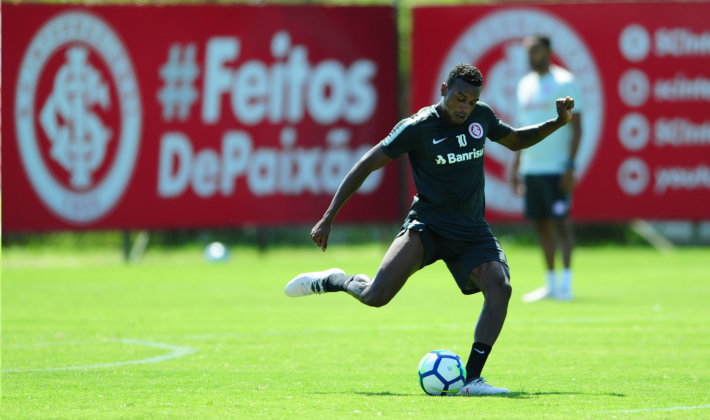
536 104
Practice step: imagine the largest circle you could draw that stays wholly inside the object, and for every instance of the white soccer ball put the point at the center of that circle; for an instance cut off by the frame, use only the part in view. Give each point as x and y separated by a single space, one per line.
216 252
441 372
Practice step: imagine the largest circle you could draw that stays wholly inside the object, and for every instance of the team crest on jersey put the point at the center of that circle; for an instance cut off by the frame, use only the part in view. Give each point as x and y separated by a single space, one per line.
475 130
78 116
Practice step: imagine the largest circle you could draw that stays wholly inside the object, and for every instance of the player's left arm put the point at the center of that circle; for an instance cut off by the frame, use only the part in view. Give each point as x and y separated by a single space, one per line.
522 138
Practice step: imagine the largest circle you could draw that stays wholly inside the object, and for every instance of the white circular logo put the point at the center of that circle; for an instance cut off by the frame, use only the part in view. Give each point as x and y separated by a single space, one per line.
634 132
634 43
634 88
78 116
505 30
476 130
633 176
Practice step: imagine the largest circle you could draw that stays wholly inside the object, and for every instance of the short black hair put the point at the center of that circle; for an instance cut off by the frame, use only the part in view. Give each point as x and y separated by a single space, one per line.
465 72
542 40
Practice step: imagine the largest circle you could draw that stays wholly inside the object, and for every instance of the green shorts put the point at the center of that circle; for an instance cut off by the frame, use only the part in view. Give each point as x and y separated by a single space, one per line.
544 198
460 256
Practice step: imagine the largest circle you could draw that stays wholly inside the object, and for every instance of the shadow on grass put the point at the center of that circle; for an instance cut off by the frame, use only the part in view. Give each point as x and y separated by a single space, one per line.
375 394
529 395
514 395
385 394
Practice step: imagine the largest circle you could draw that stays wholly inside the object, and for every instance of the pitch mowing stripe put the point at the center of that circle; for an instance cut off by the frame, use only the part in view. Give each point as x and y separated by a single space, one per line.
417 327
175 352
643 410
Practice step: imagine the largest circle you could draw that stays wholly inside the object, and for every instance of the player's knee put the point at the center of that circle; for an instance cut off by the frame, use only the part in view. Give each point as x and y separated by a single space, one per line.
506 291
499 290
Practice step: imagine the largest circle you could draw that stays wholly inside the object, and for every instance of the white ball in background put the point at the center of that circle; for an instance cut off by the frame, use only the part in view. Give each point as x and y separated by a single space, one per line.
216 252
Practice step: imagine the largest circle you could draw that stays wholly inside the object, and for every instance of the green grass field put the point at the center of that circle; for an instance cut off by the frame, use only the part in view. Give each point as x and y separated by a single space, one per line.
88 337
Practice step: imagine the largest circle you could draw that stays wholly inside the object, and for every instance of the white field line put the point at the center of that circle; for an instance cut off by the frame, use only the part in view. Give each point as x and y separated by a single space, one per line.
643 410
175 352
180 351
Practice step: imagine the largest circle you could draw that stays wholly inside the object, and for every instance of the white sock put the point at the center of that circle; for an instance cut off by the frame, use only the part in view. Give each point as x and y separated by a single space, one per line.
551 280
566 279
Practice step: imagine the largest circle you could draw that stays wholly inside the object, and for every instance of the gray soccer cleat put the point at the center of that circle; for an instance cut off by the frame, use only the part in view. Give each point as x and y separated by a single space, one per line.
478 387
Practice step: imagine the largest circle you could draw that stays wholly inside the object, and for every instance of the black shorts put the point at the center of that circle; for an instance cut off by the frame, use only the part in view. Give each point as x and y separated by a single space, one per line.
544 198
460 256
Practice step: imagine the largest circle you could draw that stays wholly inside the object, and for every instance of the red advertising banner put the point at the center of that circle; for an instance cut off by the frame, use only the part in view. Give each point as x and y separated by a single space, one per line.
185 116
644 74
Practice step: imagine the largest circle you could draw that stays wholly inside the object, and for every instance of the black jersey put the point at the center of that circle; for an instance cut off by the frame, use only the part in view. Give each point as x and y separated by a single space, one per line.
447 165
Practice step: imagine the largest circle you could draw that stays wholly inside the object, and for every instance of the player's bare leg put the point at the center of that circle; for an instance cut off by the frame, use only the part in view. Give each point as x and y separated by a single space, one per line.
564 230
403 259
546 238
493 278
494 281
547 241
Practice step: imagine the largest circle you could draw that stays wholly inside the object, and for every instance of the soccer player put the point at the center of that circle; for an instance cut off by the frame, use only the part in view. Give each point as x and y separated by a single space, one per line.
548 169
445 145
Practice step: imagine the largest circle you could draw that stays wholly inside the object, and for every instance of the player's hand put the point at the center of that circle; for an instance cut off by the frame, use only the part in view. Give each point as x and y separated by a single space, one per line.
564 109
320 233
567 181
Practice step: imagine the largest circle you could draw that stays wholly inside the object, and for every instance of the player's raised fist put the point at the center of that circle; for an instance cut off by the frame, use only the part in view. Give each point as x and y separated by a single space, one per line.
320 234
564 109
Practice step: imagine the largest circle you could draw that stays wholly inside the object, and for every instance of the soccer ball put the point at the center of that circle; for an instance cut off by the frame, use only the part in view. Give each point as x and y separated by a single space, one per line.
441 372
216 252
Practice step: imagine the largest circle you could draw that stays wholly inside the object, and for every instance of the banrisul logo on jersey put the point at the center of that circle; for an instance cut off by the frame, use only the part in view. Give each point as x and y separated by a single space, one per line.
77 116
452 158
493 43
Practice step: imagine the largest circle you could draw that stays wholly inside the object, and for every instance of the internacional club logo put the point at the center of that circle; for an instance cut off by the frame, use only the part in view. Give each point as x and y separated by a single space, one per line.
476 130
78 116
494 44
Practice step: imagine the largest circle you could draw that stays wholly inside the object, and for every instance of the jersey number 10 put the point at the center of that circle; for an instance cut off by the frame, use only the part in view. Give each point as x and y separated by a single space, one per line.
462 140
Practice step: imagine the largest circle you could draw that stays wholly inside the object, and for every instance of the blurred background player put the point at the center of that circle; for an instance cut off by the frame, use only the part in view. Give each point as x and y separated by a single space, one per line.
548 168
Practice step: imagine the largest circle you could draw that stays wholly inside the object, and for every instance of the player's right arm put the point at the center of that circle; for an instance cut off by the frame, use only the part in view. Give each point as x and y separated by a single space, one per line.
373 160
